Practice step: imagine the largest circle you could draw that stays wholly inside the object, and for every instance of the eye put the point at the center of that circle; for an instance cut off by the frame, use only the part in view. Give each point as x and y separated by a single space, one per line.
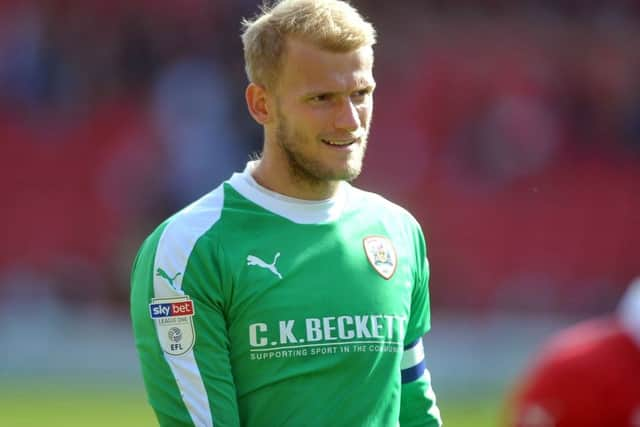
360 94
323 97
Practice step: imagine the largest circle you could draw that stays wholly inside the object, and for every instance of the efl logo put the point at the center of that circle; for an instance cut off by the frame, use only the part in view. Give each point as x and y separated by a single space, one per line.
184 308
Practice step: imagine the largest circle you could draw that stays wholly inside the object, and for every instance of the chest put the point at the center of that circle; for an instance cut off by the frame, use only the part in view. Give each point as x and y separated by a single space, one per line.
320 286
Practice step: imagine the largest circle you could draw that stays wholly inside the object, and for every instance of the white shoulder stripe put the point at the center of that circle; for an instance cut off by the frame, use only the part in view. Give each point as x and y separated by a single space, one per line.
185 370
179 238
174 248
412 356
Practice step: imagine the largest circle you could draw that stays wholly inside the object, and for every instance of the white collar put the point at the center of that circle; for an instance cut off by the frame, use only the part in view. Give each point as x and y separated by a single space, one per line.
296 210
629 310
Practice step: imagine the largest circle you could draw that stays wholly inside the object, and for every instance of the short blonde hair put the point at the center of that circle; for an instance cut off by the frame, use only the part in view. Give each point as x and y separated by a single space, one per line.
334 25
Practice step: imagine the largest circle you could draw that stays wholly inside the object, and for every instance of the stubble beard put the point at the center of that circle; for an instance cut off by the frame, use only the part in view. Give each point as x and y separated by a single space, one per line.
308 170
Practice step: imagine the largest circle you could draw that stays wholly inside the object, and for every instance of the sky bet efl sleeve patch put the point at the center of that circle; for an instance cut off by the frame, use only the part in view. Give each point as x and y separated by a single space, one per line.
174 324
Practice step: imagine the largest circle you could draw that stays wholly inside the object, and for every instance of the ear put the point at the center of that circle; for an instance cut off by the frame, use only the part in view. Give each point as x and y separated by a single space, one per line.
256 97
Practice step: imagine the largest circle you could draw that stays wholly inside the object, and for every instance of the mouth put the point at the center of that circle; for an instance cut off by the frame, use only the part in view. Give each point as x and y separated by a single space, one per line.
339 143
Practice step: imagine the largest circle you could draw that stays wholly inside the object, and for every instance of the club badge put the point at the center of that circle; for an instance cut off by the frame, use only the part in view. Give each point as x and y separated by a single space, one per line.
174 323
381 255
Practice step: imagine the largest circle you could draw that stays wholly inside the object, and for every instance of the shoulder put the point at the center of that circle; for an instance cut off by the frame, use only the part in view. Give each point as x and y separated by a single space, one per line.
362 199
181 231
573 355
587 339
571 365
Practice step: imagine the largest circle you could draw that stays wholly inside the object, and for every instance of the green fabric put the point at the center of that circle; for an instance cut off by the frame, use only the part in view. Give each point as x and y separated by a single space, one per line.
310 337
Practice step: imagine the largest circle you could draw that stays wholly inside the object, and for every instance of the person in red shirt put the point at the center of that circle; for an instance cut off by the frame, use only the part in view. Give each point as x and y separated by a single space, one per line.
587 375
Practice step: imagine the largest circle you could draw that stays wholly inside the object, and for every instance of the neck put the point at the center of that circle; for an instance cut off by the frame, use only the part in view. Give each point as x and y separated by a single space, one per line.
291 183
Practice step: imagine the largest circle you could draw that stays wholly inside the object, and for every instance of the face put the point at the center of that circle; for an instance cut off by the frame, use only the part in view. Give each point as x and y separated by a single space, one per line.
323 107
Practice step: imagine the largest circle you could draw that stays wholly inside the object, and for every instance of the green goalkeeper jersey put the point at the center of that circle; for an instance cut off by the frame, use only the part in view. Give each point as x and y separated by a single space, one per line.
254 309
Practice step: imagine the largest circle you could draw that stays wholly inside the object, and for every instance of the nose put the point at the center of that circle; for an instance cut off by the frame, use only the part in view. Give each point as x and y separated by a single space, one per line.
347 117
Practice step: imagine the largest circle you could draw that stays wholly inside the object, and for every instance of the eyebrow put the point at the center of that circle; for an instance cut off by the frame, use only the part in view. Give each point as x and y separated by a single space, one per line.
367 86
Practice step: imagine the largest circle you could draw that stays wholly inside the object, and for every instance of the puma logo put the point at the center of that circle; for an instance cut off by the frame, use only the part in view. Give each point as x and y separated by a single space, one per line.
254 260
161 273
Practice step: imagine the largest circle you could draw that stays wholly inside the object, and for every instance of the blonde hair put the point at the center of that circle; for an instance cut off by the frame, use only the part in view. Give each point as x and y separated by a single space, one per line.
334 25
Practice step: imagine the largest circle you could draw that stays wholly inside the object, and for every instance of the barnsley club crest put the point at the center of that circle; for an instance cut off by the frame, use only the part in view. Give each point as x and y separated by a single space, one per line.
381 254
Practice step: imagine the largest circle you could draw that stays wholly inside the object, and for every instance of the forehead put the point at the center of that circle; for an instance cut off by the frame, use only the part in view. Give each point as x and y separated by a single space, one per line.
308 68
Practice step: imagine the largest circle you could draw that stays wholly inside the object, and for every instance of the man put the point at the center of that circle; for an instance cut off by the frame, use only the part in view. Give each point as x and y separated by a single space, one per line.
287 297
587 375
